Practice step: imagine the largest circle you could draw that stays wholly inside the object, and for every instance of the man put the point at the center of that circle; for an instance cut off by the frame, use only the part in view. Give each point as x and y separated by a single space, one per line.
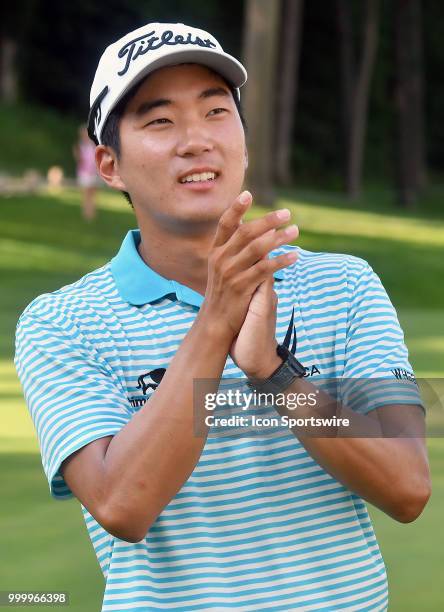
188 521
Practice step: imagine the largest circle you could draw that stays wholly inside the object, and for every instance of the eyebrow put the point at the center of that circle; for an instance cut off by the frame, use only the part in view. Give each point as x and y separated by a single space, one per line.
145 107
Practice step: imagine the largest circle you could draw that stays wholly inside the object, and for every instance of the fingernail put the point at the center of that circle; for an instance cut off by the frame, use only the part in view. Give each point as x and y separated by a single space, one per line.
291 230
244 197
283 214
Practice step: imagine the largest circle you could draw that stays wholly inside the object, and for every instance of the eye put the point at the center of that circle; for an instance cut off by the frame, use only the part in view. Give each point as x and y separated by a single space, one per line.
217 111
160 121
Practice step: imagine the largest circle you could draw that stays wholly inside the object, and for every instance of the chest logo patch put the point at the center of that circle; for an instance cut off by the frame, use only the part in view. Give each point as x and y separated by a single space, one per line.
150 380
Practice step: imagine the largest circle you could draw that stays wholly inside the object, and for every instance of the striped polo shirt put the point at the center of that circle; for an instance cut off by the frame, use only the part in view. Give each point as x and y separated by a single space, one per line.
259 524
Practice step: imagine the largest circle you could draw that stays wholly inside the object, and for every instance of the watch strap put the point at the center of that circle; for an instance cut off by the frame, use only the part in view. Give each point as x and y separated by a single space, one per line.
283 376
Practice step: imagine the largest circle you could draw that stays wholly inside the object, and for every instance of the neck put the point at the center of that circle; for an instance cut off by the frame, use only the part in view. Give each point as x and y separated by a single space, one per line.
179 257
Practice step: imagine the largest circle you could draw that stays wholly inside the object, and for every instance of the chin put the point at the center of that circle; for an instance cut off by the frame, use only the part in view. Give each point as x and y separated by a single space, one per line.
204 209
201 217
195 221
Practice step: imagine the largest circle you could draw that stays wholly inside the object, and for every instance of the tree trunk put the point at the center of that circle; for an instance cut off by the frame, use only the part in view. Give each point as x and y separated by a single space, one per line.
8 77
356 90
260 50
347 71
410 153
290 44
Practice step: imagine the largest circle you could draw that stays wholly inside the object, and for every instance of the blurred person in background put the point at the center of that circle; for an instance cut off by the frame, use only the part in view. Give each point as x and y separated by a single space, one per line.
84 154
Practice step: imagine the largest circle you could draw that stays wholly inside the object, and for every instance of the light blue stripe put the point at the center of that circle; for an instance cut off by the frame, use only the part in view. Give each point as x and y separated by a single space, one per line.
228 562
232 604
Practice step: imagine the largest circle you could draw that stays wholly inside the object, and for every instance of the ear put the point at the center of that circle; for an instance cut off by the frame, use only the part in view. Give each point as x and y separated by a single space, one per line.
108 167
246 158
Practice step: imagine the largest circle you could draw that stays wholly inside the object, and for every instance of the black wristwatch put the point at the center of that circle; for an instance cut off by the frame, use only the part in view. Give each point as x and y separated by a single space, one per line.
281 379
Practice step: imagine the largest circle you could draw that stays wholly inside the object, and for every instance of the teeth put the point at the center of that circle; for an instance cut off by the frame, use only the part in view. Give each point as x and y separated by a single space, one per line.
196 178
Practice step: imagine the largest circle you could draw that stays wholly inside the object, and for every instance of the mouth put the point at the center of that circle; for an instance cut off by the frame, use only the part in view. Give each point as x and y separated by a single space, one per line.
199 178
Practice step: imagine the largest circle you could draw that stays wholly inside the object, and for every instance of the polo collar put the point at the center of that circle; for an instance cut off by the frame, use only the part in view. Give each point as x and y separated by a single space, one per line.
139 284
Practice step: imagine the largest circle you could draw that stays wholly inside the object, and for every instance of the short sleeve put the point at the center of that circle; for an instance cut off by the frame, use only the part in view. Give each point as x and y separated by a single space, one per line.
375 348
72 395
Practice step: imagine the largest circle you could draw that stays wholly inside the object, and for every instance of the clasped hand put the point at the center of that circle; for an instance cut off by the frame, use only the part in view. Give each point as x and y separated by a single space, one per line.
239 293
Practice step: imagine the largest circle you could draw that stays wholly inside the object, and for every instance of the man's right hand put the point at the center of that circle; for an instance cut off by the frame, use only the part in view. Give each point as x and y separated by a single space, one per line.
238 262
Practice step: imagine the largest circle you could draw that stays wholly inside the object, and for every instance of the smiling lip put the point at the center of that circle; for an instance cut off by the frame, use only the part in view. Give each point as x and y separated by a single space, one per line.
198 185
199 170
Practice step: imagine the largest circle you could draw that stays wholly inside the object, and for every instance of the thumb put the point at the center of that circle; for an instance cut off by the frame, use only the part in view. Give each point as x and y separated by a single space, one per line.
266 293
268 283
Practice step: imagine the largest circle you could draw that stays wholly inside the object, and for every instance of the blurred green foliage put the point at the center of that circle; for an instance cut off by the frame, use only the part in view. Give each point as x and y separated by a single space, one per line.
60 44
33 137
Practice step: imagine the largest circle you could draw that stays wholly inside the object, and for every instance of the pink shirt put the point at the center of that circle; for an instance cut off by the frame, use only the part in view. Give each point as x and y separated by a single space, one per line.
86 163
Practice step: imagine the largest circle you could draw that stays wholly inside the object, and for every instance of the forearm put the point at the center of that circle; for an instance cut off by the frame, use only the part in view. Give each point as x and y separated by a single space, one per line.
389 472
149 460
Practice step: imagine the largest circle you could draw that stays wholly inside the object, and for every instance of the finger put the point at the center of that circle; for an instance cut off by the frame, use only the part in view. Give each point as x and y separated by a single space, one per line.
265 298
267 285
263 270
232 217
249 231
265 289
262 246
270 293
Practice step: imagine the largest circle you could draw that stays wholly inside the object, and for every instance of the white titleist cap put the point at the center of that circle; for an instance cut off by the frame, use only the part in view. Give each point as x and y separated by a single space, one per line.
153 46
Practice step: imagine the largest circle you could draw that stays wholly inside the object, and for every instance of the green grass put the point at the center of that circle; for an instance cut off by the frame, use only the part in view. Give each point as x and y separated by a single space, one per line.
44 244
413 553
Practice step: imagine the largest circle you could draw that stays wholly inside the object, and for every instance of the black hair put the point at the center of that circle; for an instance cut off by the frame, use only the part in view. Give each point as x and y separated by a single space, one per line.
111 133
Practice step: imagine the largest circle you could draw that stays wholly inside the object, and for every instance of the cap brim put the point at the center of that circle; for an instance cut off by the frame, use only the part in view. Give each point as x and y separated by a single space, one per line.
226 65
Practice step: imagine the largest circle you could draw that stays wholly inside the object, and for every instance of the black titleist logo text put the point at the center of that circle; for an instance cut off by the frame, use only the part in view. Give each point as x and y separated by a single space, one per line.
150 42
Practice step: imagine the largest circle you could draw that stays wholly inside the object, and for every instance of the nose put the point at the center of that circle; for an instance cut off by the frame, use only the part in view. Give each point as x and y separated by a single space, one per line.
194 140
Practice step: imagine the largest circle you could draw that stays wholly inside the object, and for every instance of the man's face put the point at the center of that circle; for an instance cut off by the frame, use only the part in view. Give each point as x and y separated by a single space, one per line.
182 124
